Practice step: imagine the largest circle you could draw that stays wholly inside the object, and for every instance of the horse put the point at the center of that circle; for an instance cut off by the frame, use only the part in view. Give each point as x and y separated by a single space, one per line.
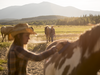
5 31
47 33
50 33
79 57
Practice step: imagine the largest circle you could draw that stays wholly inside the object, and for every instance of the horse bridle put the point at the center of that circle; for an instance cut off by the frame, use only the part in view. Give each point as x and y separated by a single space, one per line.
65 47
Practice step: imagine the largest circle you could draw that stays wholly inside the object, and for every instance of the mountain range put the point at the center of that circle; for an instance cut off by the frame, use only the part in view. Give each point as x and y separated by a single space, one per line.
42 9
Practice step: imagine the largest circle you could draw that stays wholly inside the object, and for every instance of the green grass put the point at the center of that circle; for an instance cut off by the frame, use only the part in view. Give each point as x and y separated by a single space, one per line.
71 29
63 29
5 44
1 68
2 61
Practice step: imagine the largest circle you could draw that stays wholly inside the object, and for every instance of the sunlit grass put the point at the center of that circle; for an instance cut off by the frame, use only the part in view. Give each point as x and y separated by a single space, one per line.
63 29
5 44
2 61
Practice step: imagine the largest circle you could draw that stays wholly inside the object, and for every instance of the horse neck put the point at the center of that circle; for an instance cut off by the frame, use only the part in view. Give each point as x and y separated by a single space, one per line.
90 60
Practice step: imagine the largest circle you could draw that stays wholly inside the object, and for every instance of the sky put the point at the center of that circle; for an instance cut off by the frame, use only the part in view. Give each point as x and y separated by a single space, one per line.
93 5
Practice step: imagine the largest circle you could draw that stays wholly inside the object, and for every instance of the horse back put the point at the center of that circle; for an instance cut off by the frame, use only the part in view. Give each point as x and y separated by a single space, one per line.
47 30
6 29
51 63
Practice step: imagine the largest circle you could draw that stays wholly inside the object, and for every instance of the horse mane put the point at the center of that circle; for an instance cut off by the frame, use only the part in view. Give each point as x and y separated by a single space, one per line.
90 38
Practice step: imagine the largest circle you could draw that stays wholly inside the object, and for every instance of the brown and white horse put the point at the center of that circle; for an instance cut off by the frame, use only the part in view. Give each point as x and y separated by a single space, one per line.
81 57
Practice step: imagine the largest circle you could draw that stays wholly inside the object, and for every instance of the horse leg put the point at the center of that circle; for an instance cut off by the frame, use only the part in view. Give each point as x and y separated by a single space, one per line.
5 38
52 38
49 39
2 36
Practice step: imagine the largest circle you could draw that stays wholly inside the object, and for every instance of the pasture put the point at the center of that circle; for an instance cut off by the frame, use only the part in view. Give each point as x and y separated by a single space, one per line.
37 43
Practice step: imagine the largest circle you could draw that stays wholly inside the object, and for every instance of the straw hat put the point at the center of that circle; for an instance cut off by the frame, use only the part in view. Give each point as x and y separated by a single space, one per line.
20 28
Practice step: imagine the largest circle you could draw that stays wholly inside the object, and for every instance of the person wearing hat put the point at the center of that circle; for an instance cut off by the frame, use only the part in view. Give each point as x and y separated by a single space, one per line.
18 55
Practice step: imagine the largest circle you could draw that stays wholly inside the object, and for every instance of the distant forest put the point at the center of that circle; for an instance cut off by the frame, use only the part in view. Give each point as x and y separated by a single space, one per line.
70 21
84 20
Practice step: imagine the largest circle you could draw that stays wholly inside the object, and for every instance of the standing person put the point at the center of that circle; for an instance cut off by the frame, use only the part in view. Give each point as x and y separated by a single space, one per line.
47 33
52 34
18 55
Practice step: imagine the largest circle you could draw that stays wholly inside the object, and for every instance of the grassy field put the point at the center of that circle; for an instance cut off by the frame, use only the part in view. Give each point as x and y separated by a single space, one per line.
38 41
60 29
63 29
71 32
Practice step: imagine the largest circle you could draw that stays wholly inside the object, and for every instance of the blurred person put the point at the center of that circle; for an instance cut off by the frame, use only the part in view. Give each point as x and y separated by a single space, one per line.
52 33
18 55
47 30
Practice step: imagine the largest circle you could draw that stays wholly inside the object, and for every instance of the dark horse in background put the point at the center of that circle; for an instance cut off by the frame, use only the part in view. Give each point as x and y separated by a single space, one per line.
50 33
80 57
47 33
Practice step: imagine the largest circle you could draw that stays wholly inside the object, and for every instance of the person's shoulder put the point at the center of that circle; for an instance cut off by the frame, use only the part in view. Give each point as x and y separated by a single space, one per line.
17 47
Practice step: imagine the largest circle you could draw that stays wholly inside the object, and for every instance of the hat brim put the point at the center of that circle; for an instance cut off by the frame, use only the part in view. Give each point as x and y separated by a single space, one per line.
28 30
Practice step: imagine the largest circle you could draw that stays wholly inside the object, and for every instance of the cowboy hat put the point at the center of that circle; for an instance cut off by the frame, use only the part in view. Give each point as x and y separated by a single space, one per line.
20 28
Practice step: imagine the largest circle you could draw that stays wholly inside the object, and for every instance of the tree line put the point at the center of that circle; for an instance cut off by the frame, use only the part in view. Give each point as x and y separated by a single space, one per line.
83 20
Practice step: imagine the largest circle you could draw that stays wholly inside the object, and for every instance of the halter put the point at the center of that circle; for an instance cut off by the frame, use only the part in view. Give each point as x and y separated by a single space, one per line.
66 46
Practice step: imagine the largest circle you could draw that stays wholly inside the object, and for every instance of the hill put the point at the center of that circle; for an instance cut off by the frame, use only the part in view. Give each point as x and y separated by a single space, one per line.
24 20
42 9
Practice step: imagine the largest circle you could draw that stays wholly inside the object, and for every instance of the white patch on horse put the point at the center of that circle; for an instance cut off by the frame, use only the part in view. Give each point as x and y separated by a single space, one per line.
73 61
50 70
62 58
86 55
97 46
48 60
